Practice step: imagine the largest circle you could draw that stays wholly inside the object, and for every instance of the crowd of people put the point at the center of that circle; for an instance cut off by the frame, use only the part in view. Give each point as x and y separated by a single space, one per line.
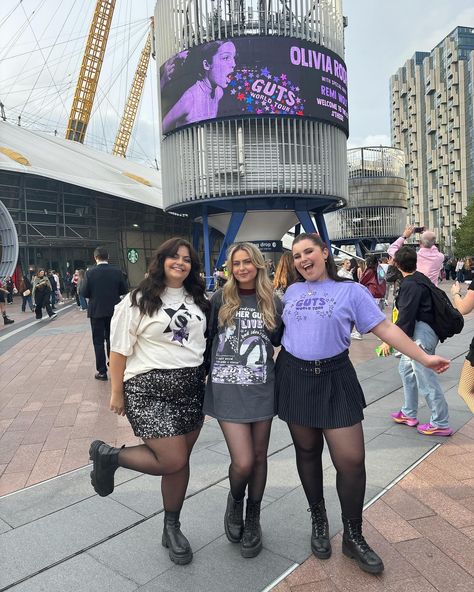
175 354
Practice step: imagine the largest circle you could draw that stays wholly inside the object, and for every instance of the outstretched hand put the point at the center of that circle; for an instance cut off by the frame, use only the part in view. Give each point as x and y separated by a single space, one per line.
438 364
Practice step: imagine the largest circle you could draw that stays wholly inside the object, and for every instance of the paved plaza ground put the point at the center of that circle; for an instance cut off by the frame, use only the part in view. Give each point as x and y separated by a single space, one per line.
57 535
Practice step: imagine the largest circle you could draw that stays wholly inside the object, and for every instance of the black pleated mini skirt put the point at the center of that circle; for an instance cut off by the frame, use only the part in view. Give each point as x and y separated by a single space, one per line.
319 394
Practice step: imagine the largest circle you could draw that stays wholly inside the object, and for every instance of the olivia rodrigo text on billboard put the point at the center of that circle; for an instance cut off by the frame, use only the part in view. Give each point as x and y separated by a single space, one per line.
257 76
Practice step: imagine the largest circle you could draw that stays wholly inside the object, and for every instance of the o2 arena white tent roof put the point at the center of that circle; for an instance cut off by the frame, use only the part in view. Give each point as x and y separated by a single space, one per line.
35 153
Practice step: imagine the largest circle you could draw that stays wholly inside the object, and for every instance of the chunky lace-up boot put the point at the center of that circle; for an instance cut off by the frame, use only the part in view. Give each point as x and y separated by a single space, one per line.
356 547
105 463
234 519
320 544
175 541
251 544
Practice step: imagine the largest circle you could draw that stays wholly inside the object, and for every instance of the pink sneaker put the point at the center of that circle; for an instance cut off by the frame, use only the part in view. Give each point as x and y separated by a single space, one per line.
430 430
398 417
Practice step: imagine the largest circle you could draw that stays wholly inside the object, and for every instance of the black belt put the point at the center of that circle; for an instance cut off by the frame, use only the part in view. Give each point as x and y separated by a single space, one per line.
315 366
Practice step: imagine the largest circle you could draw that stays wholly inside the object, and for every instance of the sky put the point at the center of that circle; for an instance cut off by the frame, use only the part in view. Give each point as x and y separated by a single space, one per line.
381 36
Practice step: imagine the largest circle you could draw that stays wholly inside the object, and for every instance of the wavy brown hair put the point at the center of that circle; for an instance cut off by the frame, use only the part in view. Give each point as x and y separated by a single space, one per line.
263 289
285 273
153 285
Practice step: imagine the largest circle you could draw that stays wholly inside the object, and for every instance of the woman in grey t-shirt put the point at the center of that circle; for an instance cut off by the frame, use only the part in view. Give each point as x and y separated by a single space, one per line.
244 327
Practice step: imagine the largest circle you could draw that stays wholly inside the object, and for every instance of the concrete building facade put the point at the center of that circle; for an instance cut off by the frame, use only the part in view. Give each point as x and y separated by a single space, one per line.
432 98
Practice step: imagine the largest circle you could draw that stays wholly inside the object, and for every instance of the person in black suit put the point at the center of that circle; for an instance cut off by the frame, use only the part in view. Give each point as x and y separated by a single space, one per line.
102 286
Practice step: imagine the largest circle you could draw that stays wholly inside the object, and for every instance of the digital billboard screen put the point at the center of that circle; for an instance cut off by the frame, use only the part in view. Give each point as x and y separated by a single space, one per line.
257 76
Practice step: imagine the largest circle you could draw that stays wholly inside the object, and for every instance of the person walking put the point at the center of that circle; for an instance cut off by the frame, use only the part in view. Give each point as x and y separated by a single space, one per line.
157 373
3 308
102 286
459 270
80 281
41 293
430 260
465 305
416 320
345 270
54 287
285 274
25 291
244 327
373 279
319 395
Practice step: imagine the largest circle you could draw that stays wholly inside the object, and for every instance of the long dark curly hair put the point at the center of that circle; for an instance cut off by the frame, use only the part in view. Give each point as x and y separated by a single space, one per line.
153 285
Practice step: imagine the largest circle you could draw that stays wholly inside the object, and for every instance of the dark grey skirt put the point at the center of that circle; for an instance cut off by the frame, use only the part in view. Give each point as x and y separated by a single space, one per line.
321 394
164 403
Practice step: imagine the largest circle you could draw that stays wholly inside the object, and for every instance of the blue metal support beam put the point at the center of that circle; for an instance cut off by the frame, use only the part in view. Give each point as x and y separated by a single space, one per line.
234 225
323 231
207 253
306 221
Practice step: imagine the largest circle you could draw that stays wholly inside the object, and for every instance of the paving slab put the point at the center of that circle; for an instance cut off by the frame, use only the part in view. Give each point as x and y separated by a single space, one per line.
79 574
43 542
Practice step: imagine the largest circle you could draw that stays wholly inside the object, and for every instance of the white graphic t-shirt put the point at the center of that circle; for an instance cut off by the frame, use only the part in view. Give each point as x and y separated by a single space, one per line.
171 338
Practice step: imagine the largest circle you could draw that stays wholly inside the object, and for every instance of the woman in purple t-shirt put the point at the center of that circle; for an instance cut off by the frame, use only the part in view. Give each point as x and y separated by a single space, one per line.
318 393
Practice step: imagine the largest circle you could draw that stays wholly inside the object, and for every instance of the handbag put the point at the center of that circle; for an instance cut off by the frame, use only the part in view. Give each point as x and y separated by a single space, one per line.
466 385
26 293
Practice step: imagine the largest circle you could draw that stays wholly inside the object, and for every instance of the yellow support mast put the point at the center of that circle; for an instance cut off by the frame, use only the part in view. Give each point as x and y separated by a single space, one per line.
131 107
90 70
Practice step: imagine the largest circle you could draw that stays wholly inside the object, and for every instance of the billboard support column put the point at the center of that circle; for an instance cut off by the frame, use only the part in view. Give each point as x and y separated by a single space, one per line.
323 231
207 254
234 225
306 221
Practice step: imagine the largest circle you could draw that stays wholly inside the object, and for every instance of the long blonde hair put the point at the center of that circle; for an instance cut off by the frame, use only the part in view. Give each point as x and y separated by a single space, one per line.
263 289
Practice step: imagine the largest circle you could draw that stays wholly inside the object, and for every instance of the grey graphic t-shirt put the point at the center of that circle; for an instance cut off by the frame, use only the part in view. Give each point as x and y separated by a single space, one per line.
240 384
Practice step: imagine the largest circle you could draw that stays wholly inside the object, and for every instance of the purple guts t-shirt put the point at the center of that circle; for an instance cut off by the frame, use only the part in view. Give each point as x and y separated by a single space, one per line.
319 316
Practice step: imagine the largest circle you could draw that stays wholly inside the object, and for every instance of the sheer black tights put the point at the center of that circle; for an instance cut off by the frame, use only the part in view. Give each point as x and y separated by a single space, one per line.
346 447
168 457
248 446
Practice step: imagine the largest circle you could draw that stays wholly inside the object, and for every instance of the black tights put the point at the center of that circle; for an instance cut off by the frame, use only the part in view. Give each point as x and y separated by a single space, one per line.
168 457
248 446
346 447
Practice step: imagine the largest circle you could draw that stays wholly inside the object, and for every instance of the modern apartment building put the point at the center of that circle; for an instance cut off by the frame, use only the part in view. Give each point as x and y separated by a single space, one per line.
432 105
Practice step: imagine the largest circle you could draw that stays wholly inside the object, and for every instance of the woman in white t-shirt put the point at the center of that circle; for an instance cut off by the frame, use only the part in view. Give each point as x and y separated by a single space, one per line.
157 344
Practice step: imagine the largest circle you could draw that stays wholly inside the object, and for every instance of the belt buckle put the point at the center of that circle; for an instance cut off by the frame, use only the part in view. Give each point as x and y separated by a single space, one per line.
317 369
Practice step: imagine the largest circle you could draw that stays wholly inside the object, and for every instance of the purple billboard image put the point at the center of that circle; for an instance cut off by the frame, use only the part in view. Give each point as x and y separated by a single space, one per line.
258 76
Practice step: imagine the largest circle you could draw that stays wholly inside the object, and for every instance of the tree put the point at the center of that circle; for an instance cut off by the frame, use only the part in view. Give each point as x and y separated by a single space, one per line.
464 235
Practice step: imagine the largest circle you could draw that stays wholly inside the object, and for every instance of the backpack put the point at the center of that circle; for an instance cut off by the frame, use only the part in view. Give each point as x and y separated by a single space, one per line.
376 286
447 320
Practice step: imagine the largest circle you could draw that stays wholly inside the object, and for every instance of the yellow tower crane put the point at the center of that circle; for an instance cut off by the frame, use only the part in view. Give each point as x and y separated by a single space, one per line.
131 107
90 70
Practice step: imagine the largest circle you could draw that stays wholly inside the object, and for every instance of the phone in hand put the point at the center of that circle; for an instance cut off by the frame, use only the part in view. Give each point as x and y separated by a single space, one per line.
419 229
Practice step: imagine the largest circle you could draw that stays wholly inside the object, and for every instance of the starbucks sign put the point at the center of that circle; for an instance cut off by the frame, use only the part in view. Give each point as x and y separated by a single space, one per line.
132 255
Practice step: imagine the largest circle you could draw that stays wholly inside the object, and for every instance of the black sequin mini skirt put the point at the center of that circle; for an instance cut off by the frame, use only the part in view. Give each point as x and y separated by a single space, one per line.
164 403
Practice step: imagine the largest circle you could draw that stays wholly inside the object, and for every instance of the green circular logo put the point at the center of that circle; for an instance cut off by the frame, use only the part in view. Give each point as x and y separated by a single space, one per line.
132 255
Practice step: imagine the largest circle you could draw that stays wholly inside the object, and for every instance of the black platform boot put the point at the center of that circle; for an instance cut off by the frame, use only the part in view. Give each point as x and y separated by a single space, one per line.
251 544
320 544
234 519
355 546
105 463
174 540
6 320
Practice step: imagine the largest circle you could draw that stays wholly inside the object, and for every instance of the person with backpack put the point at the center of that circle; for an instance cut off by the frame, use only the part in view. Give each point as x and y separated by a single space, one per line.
373 279
417 318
